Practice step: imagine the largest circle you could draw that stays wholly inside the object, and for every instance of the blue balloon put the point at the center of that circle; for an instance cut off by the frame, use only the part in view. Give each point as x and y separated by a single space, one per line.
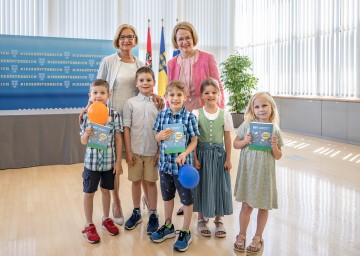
188 176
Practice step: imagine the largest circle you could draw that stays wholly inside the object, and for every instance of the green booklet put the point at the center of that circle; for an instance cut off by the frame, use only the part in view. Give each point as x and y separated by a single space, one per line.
99 139
260 136
176 143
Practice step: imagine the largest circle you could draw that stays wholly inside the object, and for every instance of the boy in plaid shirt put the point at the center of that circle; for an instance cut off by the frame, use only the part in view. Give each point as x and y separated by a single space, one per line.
100 166
169 164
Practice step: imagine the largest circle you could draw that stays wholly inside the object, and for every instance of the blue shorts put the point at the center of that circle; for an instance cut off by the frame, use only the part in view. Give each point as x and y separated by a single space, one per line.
91 180
169 184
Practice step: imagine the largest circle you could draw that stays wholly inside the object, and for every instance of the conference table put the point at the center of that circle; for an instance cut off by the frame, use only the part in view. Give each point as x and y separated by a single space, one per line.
39 137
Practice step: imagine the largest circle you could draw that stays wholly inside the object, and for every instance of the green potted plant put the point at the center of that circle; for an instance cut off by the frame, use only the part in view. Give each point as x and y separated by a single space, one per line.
239 81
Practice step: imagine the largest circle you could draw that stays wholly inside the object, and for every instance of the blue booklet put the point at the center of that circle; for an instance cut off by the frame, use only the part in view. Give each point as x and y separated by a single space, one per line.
176 143
260 136
99 139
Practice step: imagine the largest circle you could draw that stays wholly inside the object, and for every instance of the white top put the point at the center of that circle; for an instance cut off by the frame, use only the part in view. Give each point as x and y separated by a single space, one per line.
228 122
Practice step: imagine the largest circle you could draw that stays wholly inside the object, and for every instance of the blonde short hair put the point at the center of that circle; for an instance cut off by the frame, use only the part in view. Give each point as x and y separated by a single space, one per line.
187 26
118 33
176 84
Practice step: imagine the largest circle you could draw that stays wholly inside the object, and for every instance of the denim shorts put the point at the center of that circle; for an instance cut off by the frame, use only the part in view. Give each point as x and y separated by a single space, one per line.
169 183
91 180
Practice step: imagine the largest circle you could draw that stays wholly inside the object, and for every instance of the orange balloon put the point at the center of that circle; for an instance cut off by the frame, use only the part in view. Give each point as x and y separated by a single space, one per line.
98 113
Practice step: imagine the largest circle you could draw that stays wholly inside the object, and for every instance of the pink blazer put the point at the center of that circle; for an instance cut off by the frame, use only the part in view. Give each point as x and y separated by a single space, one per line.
204 67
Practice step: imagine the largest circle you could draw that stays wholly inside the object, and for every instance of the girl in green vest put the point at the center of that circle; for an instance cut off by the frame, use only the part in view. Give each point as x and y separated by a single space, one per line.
213 197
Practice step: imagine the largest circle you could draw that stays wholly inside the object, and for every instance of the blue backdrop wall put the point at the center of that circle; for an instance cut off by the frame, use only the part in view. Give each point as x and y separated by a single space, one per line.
47 72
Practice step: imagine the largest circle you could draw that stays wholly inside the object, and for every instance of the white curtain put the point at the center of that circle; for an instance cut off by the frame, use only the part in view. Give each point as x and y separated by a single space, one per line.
298 47
303 47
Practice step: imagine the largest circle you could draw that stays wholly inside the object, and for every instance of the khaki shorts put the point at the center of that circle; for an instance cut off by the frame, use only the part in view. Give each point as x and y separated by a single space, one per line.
144 169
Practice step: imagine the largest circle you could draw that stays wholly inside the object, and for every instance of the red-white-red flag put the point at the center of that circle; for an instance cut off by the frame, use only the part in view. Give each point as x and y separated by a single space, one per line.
148 49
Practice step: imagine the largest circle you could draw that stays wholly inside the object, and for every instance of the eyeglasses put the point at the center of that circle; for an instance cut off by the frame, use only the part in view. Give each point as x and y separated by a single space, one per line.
181 39
128 37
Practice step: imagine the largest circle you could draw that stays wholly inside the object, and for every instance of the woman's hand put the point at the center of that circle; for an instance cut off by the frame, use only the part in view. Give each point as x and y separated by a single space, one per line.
84 111
159 102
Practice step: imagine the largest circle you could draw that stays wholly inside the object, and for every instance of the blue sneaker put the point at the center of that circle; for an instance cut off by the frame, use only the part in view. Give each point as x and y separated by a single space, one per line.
153 224
183 241
135 219
162 234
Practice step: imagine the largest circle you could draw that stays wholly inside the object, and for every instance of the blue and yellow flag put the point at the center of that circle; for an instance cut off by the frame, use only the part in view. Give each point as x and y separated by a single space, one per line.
162 78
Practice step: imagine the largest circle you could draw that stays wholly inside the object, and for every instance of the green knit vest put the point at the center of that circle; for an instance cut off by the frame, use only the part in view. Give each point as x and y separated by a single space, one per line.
211 130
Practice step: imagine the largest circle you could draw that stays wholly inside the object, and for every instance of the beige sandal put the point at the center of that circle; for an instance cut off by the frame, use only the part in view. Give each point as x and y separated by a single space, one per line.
255 246
240 243
203 230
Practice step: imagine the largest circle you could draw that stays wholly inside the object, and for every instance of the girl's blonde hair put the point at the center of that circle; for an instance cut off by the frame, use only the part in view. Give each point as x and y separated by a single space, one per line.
249 112
176 84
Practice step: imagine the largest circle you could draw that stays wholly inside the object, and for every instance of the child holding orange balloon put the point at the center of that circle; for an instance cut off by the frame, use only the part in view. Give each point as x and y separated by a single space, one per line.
100 166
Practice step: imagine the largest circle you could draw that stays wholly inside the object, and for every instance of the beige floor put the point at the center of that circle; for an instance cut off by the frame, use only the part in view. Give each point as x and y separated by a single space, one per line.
319 209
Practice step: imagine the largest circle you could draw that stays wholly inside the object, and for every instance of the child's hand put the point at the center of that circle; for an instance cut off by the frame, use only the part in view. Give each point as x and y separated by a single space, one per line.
156 158
181 159
165 134
247 138
227 165
274 141
117 168
130 158
89 131
197 164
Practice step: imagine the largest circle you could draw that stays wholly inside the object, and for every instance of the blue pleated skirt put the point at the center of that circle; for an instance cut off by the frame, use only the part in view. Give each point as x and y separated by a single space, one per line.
213 195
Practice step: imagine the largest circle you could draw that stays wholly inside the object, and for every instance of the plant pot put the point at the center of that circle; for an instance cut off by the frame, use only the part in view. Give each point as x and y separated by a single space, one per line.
238 119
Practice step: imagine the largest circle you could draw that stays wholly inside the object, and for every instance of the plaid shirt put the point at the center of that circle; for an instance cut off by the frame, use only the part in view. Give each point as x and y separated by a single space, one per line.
167 162
103 160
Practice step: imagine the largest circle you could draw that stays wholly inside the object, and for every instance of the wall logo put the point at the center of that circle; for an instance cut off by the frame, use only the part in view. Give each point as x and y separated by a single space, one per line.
42 76
41 61
14 53
14 83
67 55
91 63
67 84
14 68
91 77
66 69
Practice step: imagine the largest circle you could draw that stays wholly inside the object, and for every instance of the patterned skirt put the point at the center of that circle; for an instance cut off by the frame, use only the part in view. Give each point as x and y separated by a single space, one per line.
213 195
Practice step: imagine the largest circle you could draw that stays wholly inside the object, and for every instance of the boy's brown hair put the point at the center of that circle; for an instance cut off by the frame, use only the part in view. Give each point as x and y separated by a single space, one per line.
144 70
100 82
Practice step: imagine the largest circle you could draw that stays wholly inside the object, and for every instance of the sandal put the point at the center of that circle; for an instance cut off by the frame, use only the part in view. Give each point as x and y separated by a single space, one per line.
203 230
255 246
240 243
219 231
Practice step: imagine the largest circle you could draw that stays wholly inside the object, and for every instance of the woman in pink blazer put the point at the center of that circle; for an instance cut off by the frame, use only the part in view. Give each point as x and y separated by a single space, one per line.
192 66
